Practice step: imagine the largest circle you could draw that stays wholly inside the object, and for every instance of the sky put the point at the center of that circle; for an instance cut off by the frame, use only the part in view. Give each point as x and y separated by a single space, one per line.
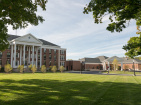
67 26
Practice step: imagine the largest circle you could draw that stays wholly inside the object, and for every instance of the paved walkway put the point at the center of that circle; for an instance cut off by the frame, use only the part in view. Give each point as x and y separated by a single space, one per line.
99 73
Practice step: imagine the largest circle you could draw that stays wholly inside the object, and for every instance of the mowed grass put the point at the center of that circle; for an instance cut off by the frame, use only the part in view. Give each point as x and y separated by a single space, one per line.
69 89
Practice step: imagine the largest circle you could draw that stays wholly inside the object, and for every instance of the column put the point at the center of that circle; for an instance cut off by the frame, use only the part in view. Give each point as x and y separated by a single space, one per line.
121 66
24 55
108 66
58 59
12 55
36 56
20 55
29 55
40 56
103 66
32 55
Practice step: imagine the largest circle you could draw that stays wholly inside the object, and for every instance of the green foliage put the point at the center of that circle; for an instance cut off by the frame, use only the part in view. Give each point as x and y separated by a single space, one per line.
21 68
18 14
43 68
62 68
115 64
7 68
30 66
138 57
50 67
133 47
120 12
54 69
34 69
0 67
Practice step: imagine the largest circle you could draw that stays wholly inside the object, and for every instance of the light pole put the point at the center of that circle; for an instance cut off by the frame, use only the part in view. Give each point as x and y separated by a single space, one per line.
134 67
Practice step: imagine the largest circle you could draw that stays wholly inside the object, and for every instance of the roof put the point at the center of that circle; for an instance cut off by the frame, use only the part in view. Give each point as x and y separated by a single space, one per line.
92 60
11 37
102 58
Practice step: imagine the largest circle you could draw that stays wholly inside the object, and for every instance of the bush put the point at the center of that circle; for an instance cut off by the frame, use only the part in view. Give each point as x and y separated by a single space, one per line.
7 68
0 67
21 68
30 66
54 69
62 68
34 69
43 68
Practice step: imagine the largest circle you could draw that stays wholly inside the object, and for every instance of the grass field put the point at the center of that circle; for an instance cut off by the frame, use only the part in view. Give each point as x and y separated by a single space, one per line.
69 89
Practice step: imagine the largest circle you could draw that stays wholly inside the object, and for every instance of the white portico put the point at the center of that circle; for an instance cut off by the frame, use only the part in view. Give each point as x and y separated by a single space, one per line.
28 49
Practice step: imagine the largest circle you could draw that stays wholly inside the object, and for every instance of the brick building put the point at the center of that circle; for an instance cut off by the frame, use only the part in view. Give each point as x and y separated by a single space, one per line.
28 49
102 63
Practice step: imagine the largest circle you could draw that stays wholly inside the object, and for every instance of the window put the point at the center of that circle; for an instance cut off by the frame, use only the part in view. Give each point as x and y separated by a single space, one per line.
49 63
8 61
55 63
17 47
44 56
62 57
62 51
0 62
50 56
25 63
54 57
16 55
8 54
0 54
54 51
38 63
44 62
49 51
44 50
16 63
62 63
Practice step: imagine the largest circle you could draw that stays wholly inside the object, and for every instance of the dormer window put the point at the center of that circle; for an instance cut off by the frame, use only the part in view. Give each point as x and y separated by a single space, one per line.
29 37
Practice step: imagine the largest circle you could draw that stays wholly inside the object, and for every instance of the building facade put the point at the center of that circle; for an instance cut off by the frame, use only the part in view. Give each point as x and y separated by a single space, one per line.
103 63
28 50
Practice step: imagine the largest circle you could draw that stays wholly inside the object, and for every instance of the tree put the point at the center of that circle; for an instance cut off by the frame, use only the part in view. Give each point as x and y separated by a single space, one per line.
138 57
43 68
34 69
18 14
54 69
133 46
115 63
21 68
7 68
62 68
30 66
120 12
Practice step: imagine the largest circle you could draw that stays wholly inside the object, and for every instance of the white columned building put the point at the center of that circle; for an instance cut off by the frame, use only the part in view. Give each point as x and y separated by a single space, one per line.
28 49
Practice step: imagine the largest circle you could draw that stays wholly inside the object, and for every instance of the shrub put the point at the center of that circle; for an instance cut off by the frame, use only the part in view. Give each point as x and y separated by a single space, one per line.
62 68
50 68
21 68
0 67
33 68
43 68
54 69
7 68
30 66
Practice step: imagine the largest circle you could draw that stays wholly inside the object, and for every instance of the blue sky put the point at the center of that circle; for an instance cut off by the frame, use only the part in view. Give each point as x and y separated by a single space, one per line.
66 25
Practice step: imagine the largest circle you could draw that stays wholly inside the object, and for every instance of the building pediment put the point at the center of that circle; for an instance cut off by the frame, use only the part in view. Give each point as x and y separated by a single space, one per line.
29 38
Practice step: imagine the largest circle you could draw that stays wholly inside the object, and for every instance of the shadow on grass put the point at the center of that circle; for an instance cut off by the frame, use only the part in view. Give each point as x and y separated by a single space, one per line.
53 92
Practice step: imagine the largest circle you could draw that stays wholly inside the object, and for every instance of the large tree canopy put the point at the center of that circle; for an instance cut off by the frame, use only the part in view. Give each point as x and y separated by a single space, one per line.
18 13
120 12
133 47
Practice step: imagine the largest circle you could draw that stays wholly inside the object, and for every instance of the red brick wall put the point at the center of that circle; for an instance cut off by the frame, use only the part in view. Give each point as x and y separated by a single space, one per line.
93 66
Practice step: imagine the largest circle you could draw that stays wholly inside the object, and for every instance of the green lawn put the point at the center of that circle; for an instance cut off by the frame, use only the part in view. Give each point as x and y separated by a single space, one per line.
121 72
69 89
